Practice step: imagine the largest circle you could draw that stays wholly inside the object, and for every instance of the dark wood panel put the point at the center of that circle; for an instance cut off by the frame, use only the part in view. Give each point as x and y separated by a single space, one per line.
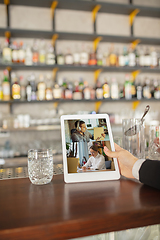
63 211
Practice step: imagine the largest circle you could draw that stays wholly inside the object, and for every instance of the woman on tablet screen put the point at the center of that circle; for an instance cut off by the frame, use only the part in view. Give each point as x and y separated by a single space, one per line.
96 161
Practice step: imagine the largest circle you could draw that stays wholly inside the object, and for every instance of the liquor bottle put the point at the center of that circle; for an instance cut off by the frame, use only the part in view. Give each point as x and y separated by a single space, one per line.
112 57
99 90
21 52
76 57
33 87
69 58
28 56
64 87
156 89
106 89
121 91
147 58
35 53
125 54
41 87
48 92
146 89
60 58
131 57
7 54
99 58
84 57
92 58
50 56
29 91
139 90
14 47
57 90
1 90
15 89
133 88
81 86
0 53
121 59
22 88
86 91
77 95
127 87
69 91
154 58
114 89
42 52
6 86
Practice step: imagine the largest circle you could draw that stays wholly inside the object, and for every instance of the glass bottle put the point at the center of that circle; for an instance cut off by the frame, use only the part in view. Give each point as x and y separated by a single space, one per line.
60 58
69 58
141 58
57 90
154 58
121 59
41 87
35 53
69 91
125 54
33 87
77 95
112 57
99 90
7 53
84 57
76 57
42 52
114 89
131 57
22 88
86 91
50 56
15 89
139 89
147 58
128 87
14 52
146 89
21 53
106 89
92 58
28 56
29 91
1 90
0 53
48 92
6 86
99 58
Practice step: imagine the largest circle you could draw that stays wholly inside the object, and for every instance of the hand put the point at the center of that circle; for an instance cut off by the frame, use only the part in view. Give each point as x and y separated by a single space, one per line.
84 168
125 160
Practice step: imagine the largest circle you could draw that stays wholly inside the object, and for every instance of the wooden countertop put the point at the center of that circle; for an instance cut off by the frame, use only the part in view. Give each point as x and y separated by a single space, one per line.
63 211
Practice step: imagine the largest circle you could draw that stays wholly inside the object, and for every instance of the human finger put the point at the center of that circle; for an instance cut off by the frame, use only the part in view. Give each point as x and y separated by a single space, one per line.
117 147
110 153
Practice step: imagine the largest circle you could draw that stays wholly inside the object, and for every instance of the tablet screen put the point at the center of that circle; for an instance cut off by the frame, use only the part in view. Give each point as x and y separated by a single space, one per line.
85 139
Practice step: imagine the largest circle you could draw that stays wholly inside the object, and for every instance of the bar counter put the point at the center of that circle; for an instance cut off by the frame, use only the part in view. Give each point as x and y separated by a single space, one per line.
64 211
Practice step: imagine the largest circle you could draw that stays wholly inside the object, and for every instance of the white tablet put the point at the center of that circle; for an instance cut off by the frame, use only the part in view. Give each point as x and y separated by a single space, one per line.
83 141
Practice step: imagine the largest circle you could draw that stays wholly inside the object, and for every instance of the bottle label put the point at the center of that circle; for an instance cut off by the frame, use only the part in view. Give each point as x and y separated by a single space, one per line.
42 58
7 55
15 56
21 55
50 60
16 91
35 57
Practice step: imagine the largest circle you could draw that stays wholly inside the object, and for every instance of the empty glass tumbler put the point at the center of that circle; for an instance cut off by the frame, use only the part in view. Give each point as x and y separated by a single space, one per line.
133 137
154 142
40 166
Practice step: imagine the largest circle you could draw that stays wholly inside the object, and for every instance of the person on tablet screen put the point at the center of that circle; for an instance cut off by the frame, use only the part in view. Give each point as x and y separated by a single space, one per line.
81 133
96 161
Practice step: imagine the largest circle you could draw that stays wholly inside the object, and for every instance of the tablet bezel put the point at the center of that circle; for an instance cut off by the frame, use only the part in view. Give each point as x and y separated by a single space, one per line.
92 176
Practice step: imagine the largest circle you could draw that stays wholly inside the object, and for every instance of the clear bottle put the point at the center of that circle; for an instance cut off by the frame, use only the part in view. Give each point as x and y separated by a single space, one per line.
28 56
50 56
29 91
69 58
14 47
16 89
114 89
57 90
76 57
34 87
35 52
125 54
99 90
147 58
7 53
112 56
23 88
86 91
121 59
21 52
154 58
60 58
84 57
99 57
48 92
42 52
6 86
69 91
141 58
131 57
92 58
128 87
41 88
139 89
156 89
147 89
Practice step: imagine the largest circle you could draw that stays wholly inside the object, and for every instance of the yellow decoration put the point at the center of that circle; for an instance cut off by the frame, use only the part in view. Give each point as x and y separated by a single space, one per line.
54 38
134 43
7 34
6 2
132 16
54 72
94 12
96 74
53 6
135 104
97 106
95 43
55 104
135 73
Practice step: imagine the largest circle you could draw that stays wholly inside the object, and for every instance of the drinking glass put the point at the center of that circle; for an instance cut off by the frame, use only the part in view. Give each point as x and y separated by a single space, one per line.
154 142
40 166
135 144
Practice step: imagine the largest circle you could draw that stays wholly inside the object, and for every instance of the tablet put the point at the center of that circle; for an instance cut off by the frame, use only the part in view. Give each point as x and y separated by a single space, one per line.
83 141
